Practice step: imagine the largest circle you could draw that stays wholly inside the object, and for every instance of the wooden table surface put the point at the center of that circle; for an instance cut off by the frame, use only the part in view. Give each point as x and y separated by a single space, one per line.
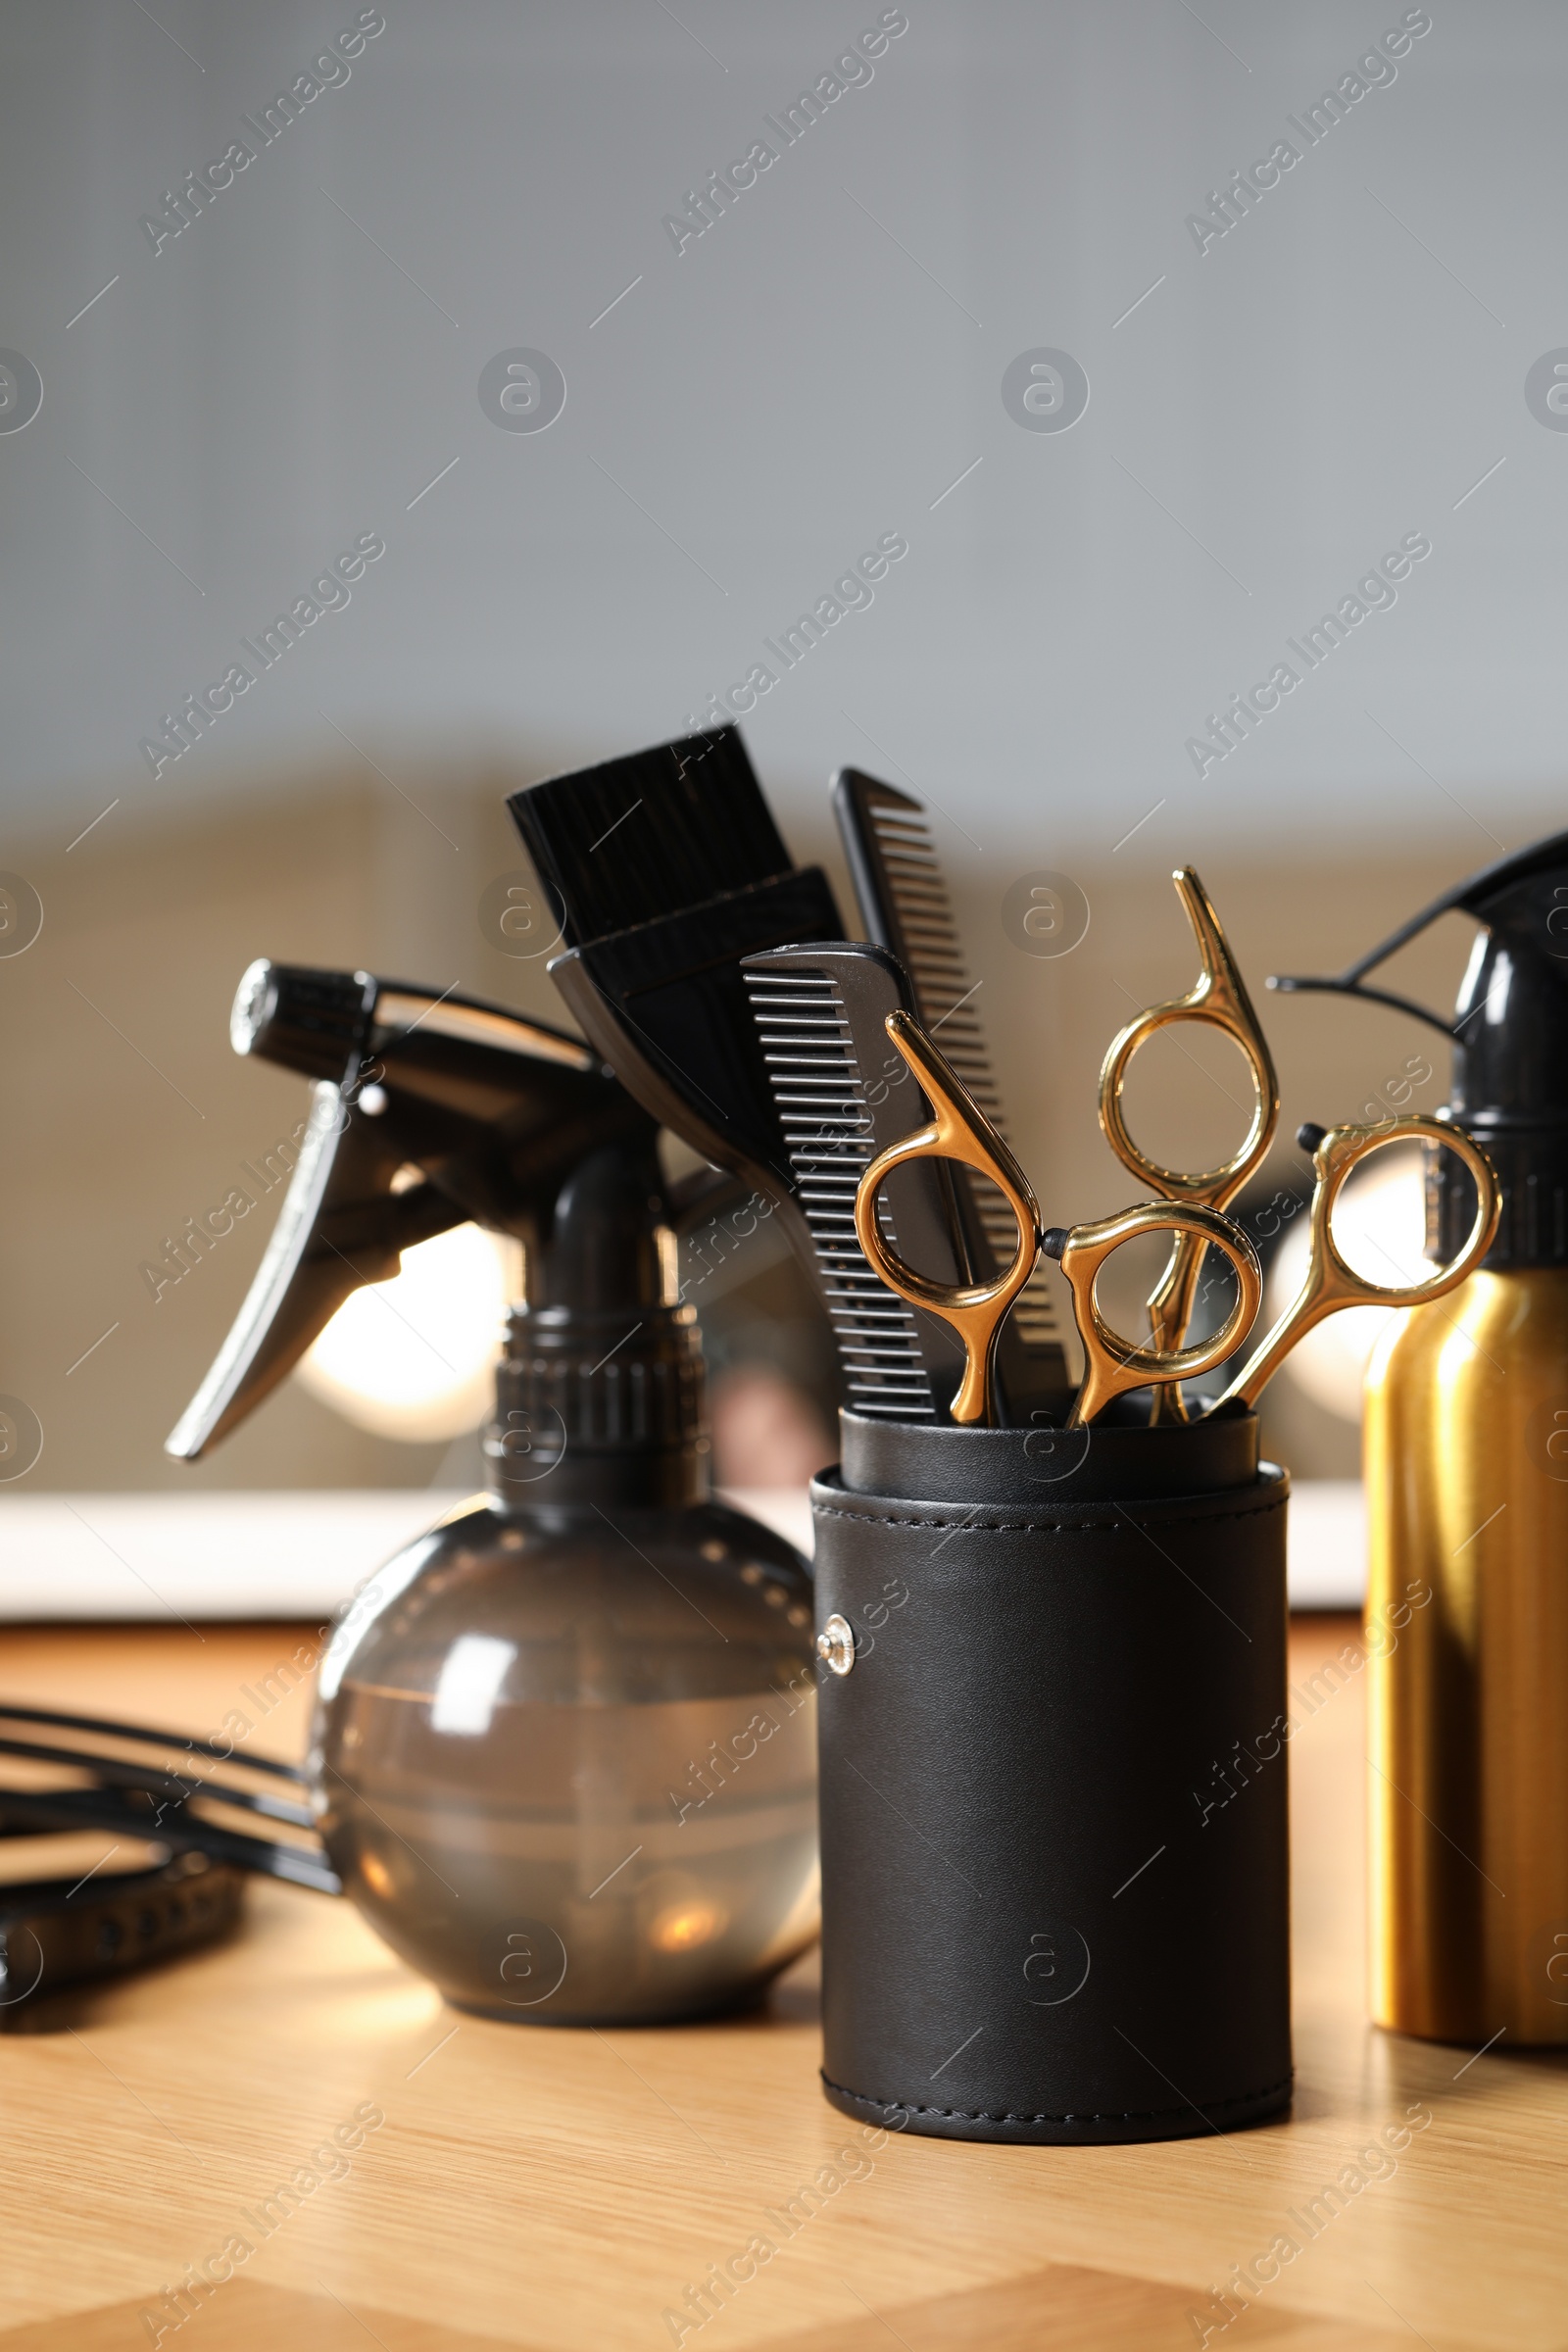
537 2188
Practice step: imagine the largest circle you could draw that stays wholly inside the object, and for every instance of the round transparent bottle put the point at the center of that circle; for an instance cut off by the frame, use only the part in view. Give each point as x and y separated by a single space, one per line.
565 1755
566 1761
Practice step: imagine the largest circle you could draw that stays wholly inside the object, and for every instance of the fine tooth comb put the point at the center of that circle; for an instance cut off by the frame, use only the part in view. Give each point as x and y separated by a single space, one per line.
821 1014
904 904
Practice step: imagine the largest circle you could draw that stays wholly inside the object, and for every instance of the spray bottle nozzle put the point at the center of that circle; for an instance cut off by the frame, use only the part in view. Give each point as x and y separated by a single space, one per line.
1508 884
429 1109
314 1022
1510 1075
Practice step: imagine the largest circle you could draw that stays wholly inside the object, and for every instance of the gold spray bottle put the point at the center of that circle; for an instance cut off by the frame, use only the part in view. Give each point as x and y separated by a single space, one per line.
1466 1468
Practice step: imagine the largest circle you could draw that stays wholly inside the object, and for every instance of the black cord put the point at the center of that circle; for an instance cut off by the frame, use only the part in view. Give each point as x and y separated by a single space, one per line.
157 1802
181 1786
27 1811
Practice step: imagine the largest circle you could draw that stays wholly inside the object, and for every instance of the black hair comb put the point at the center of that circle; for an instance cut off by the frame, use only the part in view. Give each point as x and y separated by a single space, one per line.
906 908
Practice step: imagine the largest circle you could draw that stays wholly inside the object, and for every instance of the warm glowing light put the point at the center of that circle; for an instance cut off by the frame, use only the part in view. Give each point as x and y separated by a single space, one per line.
684 1926
375 1874
414 1358
1379 1224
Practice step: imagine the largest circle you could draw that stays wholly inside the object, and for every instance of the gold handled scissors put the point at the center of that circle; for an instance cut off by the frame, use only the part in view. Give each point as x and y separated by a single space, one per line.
1329 1282
960 1130
1221 1001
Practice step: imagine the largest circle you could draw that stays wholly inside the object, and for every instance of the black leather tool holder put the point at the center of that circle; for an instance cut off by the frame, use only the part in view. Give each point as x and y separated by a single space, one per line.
1055 1847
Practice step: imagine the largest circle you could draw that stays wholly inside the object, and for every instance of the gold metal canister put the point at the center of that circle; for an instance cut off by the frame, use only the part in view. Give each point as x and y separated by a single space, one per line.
1466 1460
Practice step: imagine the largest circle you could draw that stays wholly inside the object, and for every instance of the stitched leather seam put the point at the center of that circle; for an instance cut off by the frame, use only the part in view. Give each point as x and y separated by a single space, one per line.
1037 1527
986 2115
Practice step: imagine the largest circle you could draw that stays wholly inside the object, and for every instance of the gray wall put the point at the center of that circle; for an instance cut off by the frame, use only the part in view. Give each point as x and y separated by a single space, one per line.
815 372
1318 383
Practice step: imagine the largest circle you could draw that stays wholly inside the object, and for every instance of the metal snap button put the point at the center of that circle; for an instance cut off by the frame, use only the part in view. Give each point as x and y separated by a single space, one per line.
835 1644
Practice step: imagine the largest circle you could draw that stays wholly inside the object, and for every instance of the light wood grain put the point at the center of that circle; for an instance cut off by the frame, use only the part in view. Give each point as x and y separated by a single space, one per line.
556 2191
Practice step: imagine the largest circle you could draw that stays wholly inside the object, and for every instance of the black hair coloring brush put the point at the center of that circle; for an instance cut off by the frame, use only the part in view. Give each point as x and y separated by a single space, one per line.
906 909
671 869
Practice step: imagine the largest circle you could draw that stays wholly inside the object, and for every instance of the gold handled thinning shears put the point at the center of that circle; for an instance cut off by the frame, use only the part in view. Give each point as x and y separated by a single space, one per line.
1329 1282
960 1130
1219 1000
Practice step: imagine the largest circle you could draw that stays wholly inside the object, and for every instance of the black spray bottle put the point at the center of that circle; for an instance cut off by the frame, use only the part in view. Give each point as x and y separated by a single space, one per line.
564 1749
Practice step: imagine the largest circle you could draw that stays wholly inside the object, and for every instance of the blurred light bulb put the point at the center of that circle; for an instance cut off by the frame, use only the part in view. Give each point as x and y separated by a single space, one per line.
1379 1225
414 1358
685 1926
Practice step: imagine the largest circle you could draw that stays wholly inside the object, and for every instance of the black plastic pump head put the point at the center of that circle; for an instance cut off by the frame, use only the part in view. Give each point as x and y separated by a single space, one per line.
430 1110
1509 1033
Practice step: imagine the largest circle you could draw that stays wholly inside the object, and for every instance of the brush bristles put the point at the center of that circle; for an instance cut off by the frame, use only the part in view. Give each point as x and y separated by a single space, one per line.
655 833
